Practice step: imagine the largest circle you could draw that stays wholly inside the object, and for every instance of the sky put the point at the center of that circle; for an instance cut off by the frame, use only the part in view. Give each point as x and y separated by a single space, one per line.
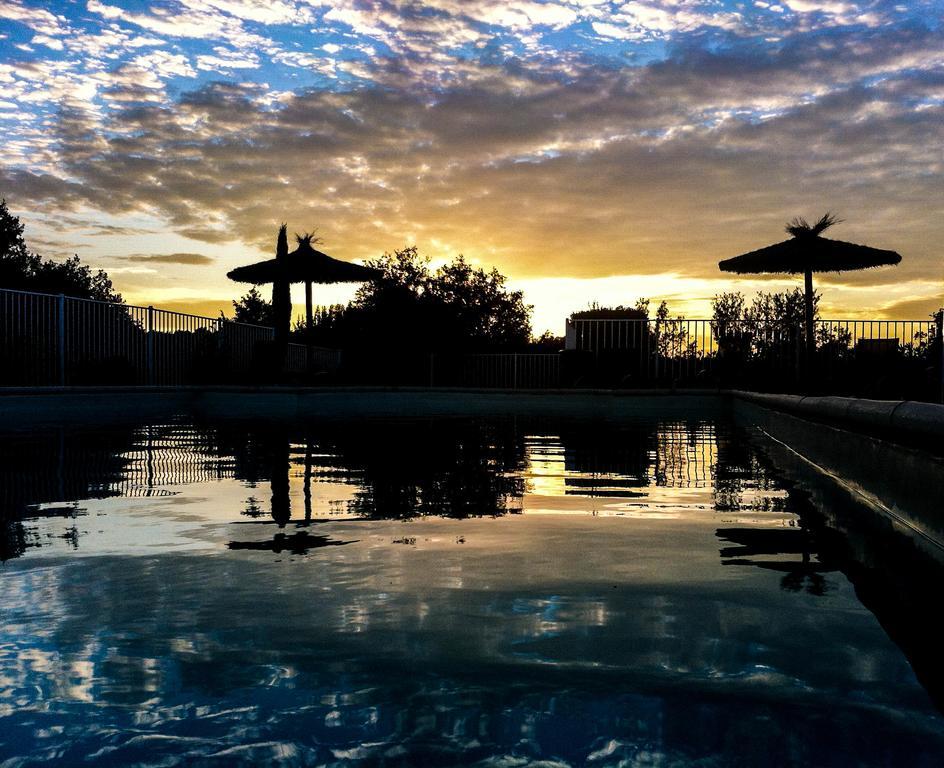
593 151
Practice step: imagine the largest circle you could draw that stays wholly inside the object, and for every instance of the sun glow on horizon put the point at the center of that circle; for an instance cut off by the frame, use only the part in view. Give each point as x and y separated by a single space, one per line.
591 151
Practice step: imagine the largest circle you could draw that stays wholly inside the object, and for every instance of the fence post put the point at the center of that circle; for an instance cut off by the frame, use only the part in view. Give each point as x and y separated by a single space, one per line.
61 337
150 345
798 361
940 339
432 370
224 365
514 371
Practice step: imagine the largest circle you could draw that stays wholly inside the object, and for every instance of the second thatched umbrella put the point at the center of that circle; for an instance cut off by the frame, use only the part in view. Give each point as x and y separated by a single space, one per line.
806 252
303 265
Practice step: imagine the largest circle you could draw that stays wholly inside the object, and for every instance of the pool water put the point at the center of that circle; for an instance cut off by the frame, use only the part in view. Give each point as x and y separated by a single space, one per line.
494 592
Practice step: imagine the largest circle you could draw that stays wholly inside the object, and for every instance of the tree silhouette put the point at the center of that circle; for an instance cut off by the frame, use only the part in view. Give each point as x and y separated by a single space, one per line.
252 308
21 269
456 307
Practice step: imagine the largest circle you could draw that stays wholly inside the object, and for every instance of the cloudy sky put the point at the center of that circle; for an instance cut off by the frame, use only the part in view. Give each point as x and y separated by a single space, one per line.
592 150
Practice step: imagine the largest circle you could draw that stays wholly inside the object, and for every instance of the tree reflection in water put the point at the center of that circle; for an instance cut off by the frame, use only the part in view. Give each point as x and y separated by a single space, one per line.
400 469
457 468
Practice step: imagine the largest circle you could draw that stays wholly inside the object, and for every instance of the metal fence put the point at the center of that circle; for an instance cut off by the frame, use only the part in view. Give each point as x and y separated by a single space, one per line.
700 338
301 358
60 340
870 357
57 340
511 371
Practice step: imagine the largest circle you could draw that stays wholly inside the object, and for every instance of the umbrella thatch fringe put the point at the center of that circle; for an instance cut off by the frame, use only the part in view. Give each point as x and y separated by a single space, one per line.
817 254
800 227
309 239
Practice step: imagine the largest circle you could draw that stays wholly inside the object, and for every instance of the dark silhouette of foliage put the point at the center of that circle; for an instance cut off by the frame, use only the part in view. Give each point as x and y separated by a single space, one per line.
21 269
768 327
759 345
731 312
547 342
252 308
640 311
455 307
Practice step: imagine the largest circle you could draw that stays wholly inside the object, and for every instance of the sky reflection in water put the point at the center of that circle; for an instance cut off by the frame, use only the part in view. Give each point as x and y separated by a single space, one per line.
489 592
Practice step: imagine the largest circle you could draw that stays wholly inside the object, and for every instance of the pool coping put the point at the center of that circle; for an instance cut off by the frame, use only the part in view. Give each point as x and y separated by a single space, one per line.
894 419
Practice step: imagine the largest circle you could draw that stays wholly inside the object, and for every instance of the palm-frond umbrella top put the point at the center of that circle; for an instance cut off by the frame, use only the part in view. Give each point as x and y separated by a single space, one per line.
304 264
806 252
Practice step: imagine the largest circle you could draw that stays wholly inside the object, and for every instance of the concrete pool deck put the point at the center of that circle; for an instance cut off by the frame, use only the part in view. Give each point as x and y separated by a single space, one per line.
902 420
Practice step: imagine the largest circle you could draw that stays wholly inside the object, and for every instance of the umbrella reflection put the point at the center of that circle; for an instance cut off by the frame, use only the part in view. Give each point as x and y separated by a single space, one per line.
755 543
299 543
279 484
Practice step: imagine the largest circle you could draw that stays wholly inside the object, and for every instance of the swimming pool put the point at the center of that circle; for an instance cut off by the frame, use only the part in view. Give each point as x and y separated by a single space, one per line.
501 591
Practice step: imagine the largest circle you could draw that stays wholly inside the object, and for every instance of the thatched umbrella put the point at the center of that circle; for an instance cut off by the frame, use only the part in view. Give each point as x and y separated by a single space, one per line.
807 252
303 265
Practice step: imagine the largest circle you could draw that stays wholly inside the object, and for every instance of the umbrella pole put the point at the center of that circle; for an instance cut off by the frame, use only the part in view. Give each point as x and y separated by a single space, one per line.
810 340
307 485
308 307
308 304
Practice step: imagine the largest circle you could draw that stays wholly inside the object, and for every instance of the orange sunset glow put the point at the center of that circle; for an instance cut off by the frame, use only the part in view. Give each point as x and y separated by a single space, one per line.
591 151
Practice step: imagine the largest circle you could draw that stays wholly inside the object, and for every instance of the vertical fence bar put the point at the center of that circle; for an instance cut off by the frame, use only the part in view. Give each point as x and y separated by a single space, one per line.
61 337
149 364
940 341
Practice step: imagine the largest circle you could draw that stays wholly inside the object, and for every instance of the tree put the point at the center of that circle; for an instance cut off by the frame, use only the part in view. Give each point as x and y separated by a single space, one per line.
15 258
639 311
253 309
730 310
21 269
547 342
484 308
727 314
457 307
672 334
767 330
784 308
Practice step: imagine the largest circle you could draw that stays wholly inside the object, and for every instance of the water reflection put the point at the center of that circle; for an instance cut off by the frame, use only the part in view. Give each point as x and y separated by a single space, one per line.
895 573
299 543
455 468
381 593
756 546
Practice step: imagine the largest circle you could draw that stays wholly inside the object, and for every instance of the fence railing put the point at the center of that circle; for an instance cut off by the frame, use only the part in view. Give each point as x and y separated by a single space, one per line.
511 371
699 338
306 357
59 340
872 357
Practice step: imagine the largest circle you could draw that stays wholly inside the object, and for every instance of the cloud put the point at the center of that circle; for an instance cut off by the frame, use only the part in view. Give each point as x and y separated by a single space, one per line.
464 126
169 21
917 309
822 6
46 23
202 307
226 60
189 259
50 42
